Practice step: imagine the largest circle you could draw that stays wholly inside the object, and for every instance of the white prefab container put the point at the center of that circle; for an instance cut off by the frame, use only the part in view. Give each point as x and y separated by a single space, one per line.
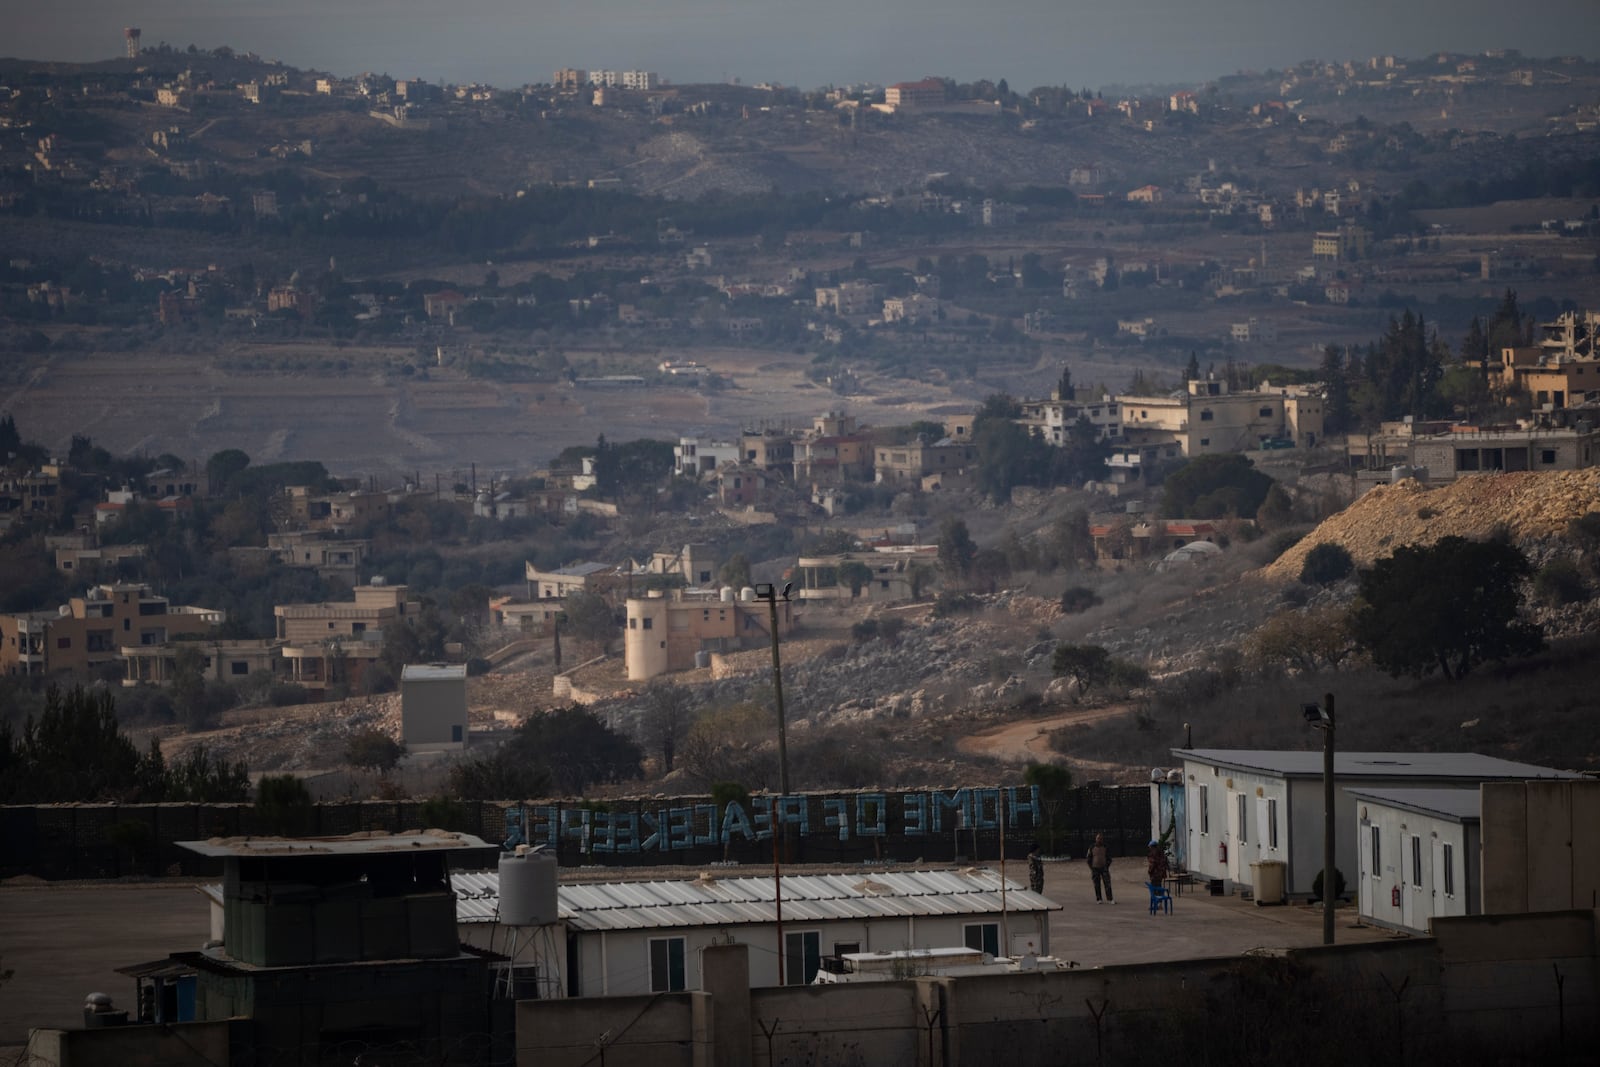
528 889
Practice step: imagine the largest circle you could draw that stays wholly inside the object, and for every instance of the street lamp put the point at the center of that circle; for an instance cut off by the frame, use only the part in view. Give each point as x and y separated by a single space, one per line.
769 592
1320 716
771 595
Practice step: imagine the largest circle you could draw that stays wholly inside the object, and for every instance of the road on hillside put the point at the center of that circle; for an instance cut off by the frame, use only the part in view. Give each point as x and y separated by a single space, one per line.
1028 741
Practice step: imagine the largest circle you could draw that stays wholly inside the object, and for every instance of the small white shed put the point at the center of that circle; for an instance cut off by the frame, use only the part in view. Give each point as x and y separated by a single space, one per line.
1417 855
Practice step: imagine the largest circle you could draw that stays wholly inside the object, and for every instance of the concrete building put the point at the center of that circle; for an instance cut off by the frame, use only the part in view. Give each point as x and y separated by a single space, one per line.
637 938
697 456
1054 419
433 707
91 631
893 574
669 633
1206 418
374 606
1239 806
564 581
929 92
848 298
221 661
926 464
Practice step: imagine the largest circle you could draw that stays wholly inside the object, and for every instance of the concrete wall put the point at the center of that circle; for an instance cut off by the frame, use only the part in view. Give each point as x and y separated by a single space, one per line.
1484 989
130 1046
673 1030
1541 845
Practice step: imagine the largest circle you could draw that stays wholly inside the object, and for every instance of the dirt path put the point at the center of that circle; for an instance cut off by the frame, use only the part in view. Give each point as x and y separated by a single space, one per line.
1028 741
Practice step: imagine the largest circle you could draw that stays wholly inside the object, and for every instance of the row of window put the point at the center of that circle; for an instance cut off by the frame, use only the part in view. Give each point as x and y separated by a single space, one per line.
802 955
1243 802
1411 873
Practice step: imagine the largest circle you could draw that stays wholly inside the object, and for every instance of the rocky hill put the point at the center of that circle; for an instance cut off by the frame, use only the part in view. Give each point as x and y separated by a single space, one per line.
1531 507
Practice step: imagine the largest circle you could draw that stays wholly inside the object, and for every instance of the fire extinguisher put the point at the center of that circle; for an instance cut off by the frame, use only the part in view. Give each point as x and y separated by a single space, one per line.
1394 897
1222 852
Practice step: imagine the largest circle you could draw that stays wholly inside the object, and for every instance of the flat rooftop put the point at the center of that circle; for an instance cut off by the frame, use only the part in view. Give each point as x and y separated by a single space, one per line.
348 845
1292 764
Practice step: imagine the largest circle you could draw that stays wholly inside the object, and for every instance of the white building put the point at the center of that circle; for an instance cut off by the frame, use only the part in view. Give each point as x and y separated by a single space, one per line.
631 938
1240 806
694 456
1418 855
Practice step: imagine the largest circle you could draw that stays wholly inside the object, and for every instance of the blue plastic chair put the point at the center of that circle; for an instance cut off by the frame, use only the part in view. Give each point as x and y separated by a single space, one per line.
1160 899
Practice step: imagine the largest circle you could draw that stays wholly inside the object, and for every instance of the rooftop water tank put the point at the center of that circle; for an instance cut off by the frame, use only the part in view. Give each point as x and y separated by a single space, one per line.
727 594
747 594
528 888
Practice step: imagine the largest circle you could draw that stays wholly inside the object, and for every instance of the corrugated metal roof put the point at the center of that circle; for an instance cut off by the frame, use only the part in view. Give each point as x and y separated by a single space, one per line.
348 845
744 900
1471 765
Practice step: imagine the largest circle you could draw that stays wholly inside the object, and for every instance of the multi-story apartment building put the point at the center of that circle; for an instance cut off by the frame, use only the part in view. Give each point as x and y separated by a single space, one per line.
913 308
374 607
91 631
1054 419
570 79
1562 368
848 298
642 80
929 92
1206 418
696 456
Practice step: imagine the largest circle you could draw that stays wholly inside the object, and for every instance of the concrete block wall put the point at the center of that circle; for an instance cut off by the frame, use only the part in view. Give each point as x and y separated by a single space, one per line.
1541 845
661 1030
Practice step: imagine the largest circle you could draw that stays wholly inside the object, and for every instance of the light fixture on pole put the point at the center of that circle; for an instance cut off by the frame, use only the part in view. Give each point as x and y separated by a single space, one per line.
1320 716
769 593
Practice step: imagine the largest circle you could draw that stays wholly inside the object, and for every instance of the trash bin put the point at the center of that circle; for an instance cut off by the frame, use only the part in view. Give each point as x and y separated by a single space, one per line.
1267 878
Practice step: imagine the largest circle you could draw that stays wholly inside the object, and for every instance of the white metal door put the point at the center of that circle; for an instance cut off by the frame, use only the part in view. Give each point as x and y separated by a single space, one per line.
1412 879
1364 882
1024 945
1262 836
1236 860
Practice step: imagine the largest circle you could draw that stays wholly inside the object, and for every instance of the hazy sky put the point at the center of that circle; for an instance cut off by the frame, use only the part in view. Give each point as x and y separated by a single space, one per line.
808 43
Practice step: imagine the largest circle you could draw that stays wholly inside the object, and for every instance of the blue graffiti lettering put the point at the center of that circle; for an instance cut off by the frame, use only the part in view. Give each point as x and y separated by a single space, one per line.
916 814
836 816
872 815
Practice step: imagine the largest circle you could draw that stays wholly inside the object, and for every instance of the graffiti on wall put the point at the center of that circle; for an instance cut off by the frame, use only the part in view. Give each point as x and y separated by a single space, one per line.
848 817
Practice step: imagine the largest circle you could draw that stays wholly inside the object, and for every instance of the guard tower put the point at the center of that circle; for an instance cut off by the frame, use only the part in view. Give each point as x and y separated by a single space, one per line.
130 36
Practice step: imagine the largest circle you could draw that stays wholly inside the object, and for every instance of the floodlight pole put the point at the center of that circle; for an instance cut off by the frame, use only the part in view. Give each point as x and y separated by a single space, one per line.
770 594
1330 888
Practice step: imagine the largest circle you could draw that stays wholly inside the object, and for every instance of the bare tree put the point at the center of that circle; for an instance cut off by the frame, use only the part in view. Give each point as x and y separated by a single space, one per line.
669 712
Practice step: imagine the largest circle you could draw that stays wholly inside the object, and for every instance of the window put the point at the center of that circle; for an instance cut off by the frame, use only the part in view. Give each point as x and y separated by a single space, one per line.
1205 442
666 965
1377 852
238 667
633 624
1205 812
985 937
649 623
1272 824
1206 416
802 956
1449 862
1547 456
1244 806
1265 413
1416 861
63 642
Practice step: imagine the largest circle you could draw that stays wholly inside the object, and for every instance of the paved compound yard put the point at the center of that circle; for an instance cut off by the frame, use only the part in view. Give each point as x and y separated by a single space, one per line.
64 940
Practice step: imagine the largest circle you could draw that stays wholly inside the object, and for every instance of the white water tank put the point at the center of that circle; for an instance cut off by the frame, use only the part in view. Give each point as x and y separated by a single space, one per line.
747 594
727 594
528 889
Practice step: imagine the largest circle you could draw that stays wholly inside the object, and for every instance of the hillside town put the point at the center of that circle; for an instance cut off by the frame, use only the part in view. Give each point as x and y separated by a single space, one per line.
584 572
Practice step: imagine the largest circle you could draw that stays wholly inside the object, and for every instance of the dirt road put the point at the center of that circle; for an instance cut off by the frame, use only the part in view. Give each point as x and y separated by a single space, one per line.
1028 741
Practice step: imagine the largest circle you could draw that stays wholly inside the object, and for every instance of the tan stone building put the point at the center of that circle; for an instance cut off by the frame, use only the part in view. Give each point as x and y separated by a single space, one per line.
665 633
91 631
1206 418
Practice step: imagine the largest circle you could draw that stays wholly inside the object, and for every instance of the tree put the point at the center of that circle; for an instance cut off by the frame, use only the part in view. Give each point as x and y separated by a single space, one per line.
283 805
856 575
668 713
1326 564
1077 599
73 751
1088 665
589 618
736 572
956 549
1451 605
224 467
567 749
1214 486
1307 640
1054 783
372 749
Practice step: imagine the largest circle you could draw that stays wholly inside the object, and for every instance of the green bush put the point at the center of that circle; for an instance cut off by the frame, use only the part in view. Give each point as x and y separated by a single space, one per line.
1559 582
1078 599
1326 564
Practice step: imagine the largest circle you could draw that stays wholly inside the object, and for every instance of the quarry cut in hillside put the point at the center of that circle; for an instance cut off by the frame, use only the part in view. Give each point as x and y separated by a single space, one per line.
1528 505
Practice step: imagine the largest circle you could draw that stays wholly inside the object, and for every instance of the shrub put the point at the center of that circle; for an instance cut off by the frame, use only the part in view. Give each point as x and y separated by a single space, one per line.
445 813
865 630
1559 582
1283 540
1325 564
1078 599
284 694
947 604
373 749
283 805
1338 884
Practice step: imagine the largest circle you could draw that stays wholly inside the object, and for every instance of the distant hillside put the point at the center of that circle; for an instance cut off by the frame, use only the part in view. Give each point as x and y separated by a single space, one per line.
1530 506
